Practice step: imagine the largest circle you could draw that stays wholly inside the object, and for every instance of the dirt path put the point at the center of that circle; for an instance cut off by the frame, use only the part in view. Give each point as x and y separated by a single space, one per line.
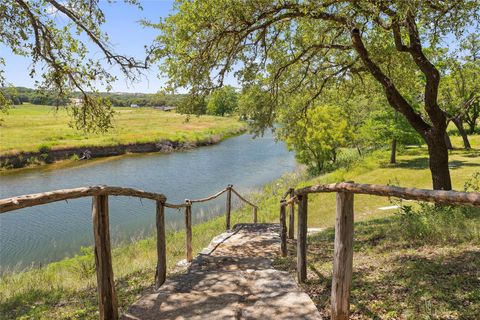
231 279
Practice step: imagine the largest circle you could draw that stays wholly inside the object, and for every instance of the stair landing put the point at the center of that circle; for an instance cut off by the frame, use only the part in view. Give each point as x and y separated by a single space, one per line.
231 279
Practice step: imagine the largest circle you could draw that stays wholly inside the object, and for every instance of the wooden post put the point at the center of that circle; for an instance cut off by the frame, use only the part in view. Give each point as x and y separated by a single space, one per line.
229 206
255 215
188 229
161 272
283 229
291 218
302 238
107 298
343 257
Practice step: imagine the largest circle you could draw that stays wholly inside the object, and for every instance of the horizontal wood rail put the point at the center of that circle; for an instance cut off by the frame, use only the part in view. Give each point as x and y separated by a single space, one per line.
107 299
437 196
343 245
36 199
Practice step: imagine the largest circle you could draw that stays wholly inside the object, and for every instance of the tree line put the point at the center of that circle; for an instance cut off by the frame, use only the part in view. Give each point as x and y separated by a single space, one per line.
19 95
374 70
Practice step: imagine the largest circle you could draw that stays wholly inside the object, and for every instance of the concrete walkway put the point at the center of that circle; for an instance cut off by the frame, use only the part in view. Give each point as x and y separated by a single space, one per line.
231 279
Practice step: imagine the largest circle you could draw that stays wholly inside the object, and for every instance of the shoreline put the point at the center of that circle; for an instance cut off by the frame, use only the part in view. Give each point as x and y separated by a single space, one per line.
23 160
203 230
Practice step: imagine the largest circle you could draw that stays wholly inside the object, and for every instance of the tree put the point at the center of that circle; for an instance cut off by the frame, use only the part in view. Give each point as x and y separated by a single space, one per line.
250 103
192 105
460 90
222 101
297 44
317 138
57 50
383 127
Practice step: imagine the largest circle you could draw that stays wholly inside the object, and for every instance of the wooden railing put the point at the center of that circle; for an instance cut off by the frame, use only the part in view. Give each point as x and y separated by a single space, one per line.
107 299
343 245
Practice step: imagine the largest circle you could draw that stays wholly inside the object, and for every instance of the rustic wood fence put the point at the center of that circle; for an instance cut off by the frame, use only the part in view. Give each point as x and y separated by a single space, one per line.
107 299
343 243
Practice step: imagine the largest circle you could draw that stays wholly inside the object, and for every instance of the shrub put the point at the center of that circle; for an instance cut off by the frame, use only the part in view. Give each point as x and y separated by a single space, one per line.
437 224
44 149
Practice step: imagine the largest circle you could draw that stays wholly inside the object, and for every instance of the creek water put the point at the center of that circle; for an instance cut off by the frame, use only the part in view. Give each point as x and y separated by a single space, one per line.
41 234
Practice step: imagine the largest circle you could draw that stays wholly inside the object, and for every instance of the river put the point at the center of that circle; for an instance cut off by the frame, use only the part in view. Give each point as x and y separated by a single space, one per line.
38 235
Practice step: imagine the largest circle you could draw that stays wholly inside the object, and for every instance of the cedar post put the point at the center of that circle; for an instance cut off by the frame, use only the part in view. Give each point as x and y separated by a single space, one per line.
161 271
188 229
107 298
283 228
229 206
343 257
302 238
291 218
254 214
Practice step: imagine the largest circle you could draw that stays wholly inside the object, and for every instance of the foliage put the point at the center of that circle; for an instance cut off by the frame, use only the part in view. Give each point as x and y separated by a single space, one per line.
222 101
435 224
193 105
317 138
302 47
56 46
19 95
460 88
254 103
382 126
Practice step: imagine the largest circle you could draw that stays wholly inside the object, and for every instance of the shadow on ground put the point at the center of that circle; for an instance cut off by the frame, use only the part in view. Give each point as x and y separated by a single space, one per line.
394 280
235 281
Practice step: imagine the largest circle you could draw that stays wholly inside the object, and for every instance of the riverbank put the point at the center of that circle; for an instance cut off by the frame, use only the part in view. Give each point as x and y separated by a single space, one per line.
66 289
34 135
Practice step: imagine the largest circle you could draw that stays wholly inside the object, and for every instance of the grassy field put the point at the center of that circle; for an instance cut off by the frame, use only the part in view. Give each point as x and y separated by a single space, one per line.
31 127
394 277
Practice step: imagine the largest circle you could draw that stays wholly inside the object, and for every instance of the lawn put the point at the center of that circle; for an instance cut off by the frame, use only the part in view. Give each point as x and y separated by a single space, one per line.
30 127
425 267
394 278
410 171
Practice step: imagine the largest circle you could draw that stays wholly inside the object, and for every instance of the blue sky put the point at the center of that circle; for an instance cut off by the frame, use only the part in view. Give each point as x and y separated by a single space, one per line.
126 36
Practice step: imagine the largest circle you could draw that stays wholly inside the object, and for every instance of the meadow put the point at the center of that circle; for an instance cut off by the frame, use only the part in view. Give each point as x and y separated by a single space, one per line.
395 271
29 128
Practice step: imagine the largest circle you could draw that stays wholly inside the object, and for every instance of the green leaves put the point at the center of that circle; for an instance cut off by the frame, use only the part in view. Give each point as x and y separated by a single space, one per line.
318 137
222 101
56 47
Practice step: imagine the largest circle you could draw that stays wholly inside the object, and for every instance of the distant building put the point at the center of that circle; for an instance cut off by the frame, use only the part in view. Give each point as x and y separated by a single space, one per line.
164 108
134 106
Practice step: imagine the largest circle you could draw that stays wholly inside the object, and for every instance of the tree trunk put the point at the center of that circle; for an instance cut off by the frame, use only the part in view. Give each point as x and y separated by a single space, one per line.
393 152
359 151
448 142
471 119
434 133
438 161
471 128
459 124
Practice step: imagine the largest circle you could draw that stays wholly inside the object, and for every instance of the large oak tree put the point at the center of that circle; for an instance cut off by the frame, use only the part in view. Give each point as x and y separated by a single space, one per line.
291 45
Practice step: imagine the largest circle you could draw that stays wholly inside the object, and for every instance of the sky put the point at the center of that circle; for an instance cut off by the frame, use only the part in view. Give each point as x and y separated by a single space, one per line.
127 36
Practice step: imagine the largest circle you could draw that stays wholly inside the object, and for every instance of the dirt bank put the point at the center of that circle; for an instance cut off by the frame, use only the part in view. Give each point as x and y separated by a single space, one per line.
45 155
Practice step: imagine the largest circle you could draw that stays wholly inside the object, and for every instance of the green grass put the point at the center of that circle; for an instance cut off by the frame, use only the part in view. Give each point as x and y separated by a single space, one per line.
411 170
394 278
32 127
419 263
391 274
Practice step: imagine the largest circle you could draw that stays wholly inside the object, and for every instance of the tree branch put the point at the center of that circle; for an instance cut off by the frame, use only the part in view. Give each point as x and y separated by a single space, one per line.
393 95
